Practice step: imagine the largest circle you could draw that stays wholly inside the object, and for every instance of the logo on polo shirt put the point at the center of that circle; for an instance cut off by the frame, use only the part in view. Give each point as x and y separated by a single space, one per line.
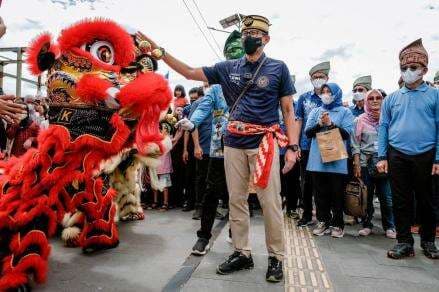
262 81
235 78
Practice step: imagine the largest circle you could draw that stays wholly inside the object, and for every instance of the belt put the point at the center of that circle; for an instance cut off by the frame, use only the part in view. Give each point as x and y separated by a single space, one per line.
265 155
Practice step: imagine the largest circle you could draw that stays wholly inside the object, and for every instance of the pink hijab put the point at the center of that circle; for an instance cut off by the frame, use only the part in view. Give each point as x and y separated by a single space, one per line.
371 117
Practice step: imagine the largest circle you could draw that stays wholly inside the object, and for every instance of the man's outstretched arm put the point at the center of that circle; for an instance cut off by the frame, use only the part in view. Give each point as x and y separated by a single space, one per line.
187 71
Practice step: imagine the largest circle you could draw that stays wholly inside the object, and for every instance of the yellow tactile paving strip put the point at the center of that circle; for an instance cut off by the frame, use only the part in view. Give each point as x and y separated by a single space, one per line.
304 269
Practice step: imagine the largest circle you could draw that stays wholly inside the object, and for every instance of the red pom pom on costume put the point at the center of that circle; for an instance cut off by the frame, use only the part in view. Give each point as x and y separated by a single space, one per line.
144 91
41 44
92 89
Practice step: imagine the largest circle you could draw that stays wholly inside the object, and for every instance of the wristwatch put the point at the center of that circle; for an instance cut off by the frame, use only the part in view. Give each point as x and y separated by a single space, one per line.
293 147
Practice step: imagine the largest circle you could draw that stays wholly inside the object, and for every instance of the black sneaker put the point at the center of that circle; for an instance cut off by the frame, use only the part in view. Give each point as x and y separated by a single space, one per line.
187 208
201 247
304 222
274 270
401 250
197 214
430 250
236 262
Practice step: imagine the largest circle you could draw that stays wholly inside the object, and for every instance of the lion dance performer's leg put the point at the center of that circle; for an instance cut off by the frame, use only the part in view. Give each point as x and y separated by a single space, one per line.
124 179
26 221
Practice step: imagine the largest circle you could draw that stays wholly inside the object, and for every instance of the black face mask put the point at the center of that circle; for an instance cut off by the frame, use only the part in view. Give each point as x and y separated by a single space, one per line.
251 44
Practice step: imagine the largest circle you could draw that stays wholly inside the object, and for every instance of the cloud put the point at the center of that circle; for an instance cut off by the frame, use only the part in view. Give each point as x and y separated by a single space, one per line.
29 24
66 3
342 52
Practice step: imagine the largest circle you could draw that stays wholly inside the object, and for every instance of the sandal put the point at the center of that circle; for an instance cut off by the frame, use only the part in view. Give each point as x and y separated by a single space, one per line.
153 206
164 207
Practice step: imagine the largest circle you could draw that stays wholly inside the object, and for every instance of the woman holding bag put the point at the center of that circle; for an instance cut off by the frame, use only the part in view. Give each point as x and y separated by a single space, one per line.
328 177
364 149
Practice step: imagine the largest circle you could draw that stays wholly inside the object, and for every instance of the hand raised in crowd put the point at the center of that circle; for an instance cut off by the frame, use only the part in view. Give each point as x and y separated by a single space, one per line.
290 160
198 152
325 119
383 166
10 111
435 170
185 156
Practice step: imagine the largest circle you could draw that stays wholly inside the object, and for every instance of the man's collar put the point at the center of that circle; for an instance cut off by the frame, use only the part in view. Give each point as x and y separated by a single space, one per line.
422 87
245 61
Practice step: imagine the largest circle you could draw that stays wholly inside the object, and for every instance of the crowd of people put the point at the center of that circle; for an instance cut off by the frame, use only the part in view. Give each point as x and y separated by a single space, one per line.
242 133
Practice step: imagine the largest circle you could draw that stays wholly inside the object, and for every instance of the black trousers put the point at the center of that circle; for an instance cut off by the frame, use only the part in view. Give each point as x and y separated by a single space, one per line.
189 184
290 185
410 177
215 188
307 190
201 167
329 190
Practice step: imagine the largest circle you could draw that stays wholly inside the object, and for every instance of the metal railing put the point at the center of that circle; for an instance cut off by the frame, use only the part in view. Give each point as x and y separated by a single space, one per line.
19 51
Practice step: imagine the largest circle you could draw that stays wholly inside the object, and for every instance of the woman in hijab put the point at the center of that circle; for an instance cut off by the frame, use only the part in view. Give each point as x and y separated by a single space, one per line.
328 178
364 149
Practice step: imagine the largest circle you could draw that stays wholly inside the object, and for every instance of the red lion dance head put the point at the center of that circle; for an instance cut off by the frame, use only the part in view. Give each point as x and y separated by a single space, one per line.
92 119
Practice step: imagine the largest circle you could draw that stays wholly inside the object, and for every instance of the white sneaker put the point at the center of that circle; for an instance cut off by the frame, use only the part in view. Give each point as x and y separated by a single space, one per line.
337 232
321 229
365 232
390 233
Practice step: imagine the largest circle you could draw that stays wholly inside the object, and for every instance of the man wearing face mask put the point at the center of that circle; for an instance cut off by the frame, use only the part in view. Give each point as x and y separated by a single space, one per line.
408 149
361 85
306 103
253 86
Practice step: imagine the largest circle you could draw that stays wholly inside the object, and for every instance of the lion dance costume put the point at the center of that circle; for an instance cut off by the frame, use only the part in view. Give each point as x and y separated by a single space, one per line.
61 184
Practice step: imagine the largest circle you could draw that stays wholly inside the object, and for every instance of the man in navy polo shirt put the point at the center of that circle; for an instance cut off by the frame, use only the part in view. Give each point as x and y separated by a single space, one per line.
251 139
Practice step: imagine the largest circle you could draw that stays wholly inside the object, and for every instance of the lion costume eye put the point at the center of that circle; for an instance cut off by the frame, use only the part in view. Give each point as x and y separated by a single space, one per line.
101 50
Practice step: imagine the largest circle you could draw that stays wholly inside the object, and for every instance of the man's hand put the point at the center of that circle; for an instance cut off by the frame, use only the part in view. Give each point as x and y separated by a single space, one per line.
10 111
141 37
198 152
383 166
185 156
290 160
185 124
357 170
435 170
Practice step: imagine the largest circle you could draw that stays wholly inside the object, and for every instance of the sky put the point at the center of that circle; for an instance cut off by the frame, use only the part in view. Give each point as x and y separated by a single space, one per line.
357 37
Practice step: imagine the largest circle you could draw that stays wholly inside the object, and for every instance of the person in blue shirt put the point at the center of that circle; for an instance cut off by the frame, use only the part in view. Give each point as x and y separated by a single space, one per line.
361 85
254 117
408 150
329 177
308 101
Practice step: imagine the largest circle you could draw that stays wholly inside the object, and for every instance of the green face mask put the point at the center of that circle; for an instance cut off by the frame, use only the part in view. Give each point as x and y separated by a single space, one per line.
233 48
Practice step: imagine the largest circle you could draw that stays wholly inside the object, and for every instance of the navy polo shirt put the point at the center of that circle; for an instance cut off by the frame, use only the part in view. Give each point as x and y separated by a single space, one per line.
260 103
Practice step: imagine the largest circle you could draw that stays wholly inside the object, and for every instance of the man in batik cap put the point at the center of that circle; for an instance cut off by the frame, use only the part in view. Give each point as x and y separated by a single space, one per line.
253 86
361 85
319 75
436 80
408 149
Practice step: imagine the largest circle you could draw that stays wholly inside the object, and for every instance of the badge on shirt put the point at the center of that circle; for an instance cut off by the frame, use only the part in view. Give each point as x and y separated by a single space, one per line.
262 81
235 78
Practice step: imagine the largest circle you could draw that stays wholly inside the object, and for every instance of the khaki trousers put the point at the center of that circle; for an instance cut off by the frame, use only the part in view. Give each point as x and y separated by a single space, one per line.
239 165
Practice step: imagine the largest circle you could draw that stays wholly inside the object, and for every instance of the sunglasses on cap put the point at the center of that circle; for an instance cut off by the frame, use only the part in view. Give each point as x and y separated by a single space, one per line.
411 67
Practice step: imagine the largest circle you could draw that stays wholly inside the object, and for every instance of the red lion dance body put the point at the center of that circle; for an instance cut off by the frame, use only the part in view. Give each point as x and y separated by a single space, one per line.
63 175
